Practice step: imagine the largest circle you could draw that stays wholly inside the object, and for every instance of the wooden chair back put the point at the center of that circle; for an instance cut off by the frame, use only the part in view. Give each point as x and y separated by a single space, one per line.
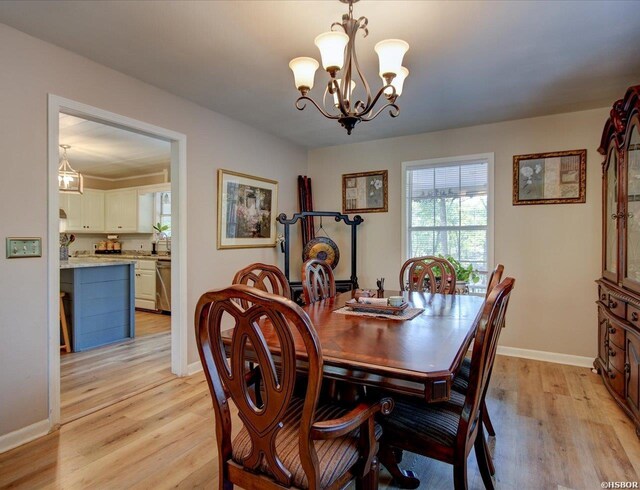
264 277
229 378
483 355
317 281
494 279
428 274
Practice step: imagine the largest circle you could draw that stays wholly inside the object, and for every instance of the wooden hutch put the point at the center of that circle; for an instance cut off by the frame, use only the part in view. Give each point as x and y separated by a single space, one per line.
618 358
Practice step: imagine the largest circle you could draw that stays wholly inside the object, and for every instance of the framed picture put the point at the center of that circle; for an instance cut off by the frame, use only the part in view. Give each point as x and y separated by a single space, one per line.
365 192
247 208
550 178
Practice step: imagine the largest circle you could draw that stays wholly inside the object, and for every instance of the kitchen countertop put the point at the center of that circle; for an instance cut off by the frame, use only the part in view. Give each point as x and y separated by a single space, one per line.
75 263
124 256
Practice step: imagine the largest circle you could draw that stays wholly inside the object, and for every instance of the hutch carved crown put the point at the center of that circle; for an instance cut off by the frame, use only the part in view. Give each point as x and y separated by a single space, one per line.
618 358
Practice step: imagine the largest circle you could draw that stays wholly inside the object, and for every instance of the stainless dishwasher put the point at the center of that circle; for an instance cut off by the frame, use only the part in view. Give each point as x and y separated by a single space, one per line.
163 285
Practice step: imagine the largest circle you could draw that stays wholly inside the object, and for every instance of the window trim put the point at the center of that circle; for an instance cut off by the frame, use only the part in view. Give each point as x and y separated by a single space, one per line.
443 162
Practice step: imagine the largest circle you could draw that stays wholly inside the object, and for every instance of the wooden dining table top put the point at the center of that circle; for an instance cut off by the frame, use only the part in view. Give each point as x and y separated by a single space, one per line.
415 357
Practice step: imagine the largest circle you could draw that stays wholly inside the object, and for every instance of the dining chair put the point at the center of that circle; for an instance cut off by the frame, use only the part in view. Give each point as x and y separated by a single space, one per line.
265 277
447 431
428 274
461 381
317 281
286 441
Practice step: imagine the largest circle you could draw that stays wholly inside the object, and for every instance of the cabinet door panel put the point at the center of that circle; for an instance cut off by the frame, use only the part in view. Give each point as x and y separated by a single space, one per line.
633 372
145 284
121 211
632 208
93 210
73 208
603 342
610 215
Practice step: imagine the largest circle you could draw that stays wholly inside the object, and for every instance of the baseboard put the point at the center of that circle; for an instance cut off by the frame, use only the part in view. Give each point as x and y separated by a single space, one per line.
194 367
540 355
24 435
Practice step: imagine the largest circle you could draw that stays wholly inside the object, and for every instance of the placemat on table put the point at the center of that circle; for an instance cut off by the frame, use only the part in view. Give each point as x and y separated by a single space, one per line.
408 314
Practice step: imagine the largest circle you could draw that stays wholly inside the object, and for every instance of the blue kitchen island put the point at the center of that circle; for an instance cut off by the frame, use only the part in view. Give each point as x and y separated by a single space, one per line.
100 301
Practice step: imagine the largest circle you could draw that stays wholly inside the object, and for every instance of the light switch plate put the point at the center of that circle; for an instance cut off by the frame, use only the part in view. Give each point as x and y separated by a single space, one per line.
23 247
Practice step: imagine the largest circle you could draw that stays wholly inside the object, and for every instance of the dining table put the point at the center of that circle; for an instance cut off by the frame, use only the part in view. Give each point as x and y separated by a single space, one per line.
415 357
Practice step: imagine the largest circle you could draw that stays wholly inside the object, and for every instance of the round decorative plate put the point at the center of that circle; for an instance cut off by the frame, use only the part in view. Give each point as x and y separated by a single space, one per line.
322 248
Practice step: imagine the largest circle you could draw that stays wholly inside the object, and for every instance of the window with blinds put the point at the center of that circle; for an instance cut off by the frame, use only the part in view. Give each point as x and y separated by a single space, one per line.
448 213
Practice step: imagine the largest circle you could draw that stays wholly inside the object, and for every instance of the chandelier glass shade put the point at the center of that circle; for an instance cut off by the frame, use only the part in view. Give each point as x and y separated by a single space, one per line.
339 60
69 180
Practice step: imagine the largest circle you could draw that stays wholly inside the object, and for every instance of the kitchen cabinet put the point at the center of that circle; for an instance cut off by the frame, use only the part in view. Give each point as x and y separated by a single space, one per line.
85 212
121 211
99 302
128 211
145 279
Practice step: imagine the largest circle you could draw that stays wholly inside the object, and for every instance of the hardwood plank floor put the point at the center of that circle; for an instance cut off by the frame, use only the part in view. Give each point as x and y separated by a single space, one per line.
557 428
97 378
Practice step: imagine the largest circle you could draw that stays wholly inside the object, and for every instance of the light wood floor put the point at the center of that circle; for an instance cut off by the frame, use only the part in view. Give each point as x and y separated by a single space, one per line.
557 428
94 379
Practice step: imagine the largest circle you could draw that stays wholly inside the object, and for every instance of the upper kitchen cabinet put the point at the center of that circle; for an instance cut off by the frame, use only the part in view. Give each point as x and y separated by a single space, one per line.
128 211
85 212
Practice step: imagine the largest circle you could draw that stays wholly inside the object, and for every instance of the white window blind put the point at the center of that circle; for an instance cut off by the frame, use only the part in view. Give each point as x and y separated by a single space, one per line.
448 212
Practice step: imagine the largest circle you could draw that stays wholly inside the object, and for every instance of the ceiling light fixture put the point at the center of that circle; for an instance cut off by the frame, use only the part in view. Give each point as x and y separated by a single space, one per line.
69 181
338 52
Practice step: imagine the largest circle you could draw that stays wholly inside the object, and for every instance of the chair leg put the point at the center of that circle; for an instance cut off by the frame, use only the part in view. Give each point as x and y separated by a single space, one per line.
481 456
64 325
460 474
492 468
486 420
370 480
390 458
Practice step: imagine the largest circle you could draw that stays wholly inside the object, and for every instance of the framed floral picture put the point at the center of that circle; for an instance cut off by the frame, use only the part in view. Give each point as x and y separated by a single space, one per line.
365 192
550 178
247 208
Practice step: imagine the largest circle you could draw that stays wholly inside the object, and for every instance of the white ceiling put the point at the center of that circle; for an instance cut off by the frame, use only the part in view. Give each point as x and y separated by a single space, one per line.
470 62
109 152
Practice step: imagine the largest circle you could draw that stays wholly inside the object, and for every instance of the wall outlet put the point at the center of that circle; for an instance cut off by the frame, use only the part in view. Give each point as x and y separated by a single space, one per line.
20 248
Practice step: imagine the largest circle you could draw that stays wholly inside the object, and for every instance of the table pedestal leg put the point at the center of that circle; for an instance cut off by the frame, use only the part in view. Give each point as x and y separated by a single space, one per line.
390 457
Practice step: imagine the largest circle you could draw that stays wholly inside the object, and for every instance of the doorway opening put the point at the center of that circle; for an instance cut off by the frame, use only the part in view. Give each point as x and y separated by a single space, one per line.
119 279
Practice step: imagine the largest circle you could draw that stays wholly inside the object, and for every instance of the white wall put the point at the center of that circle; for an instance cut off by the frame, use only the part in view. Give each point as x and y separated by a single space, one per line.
30 70
553 251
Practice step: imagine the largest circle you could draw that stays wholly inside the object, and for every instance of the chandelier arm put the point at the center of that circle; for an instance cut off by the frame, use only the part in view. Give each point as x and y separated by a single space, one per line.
369 107
343 108
322 111
394 111
365 84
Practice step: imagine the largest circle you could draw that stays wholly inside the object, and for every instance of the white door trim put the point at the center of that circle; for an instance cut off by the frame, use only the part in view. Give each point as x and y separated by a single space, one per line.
179 317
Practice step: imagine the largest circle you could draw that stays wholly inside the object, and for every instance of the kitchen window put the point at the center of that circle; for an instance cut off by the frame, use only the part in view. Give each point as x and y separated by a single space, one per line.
448 210
163 210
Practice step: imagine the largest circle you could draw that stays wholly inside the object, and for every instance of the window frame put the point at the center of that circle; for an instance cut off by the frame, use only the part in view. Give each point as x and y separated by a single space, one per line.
157 213
445 162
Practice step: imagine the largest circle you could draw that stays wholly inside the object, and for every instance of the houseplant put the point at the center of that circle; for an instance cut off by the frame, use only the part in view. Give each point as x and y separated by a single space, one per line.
463 274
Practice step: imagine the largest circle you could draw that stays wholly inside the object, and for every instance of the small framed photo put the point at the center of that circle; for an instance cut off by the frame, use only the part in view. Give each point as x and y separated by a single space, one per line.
247 208
550 178
365 192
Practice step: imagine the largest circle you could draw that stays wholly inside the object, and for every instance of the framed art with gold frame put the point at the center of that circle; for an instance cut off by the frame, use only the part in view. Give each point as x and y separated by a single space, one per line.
550 178
365 192
247 209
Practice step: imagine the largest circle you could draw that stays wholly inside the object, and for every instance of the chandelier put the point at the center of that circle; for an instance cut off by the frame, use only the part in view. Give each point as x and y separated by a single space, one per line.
69 180
338 54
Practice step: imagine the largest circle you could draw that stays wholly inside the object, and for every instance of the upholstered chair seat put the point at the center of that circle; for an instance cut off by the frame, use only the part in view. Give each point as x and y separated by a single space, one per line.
335 456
